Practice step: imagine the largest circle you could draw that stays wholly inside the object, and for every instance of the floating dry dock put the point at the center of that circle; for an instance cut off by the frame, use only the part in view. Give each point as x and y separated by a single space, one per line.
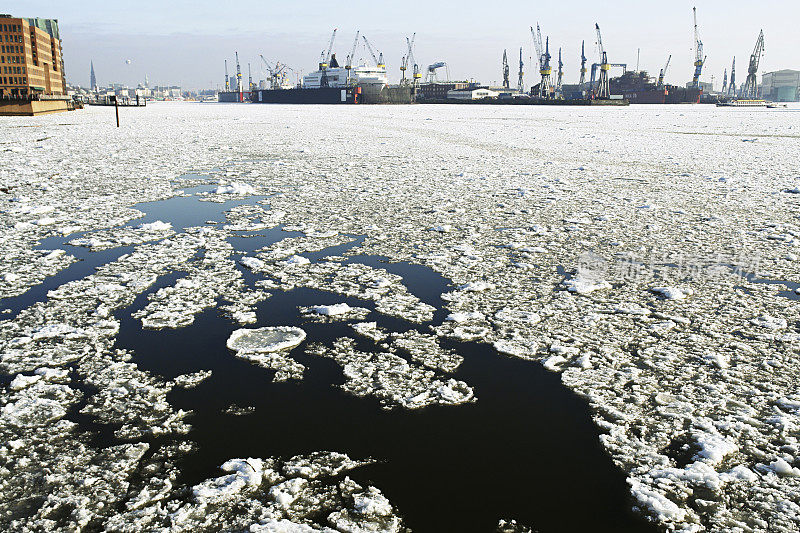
530 101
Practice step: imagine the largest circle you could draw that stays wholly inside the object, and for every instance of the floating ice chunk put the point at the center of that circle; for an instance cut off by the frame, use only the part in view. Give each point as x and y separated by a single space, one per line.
189 381
370 330
9 277
332 310
464 316
46 221
285 526
235 188
769 322
741 472
664 509
287 492
714 447
372 502
476 286
553 363
55 330
673 293
782 468
297 260
20 382
508 314
265 340
158 225
443 228
52 374
580 284
252 263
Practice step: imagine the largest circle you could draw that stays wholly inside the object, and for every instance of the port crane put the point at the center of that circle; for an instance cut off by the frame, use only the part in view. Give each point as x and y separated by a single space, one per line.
277 74
410 60
560 78
238 77
521 81
227 79
732 84
583 65
249 77
750 90
543 53
351 56
324 61
603 88
379 58
506 84
725 82
699 58
432 77
664 72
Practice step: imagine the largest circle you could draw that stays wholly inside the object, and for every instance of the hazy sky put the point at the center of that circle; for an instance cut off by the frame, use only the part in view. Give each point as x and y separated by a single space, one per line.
184 42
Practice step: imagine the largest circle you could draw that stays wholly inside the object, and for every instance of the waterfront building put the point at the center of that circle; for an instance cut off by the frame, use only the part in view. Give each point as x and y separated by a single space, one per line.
781 85
31 61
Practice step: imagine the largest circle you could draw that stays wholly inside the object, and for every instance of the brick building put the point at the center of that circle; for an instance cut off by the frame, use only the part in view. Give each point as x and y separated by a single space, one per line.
31 62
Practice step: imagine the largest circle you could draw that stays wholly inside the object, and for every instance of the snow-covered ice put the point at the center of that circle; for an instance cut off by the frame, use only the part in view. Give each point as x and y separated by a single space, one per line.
690 372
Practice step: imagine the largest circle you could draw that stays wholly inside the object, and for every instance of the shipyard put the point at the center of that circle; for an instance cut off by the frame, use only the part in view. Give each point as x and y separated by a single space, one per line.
413 267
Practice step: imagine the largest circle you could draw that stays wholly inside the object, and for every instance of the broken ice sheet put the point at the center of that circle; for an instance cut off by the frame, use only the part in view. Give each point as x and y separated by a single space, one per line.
391 379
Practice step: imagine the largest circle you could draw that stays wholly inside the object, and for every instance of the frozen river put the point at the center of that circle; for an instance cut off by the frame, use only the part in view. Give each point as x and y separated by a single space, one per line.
442 318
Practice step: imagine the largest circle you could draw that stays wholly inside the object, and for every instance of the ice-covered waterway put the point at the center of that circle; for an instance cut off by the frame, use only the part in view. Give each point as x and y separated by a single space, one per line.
283 318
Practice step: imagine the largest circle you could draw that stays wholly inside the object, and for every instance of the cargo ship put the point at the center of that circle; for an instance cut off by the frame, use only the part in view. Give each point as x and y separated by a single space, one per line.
640 88
334 84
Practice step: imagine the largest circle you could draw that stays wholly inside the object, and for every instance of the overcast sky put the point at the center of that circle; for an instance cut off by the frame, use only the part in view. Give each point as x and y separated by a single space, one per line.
181 42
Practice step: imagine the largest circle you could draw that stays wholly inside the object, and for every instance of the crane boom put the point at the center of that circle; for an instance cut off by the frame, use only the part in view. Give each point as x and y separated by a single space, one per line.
330 47
663 72
350 56
378 59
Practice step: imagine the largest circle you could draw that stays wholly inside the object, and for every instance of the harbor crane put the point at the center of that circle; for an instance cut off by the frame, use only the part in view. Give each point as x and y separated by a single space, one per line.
545 86
732 84
238 77
324 61
521 81
410 60
351 56
379 58
432 69
277 74
725 81
227 79
583 65
325 56
560 78
603 91
663 72
249 77
699 58
506 84
750 90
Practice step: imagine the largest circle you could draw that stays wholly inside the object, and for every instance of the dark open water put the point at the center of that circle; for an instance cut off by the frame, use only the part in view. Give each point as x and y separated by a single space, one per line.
527 449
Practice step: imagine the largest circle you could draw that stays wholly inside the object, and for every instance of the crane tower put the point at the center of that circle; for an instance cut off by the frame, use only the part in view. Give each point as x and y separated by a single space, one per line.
560 78
521 82
239 78
664 71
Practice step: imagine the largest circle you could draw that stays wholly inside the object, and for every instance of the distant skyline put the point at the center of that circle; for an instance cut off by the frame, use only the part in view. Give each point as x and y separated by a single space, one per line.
185 43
